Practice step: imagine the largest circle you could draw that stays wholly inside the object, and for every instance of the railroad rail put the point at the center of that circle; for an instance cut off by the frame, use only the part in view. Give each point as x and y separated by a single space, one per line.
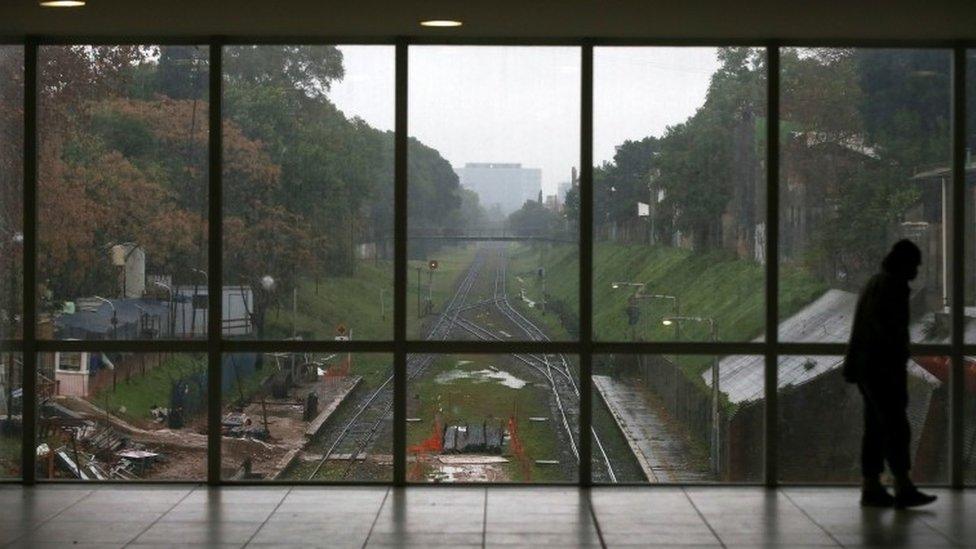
362 427
566 379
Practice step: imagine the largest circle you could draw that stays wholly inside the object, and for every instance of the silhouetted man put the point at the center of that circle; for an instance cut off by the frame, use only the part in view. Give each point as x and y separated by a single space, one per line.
877 360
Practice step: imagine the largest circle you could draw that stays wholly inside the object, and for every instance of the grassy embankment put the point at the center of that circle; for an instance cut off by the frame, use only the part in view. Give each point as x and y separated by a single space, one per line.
354 301
132 399
727 289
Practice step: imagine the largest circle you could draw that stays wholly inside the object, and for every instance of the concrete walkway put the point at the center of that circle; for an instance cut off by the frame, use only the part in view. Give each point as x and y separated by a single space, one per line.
661 451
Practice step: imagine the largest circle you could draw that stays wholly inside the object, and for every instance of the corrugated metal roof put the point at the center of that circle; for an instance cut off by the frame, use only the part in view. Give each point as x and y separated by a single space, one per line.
826 320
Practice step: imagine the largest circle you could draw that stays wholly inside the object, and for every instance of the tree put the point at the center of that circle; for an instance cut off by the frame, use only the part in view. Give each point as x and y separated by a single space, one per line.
534 219
699 159
11 187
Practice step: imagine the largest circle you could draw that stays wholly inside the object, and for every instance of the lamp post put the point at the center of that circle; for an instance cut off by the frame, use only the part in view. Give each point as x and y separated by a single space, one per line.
675 309
172 307
193 304
631 302
261 303
419 315
713 335
115 317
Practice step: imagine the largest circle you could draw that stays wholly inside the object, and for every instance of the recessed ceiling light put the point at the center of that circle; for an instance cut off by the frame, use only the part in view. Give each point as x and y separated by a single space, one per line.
62 3
441 23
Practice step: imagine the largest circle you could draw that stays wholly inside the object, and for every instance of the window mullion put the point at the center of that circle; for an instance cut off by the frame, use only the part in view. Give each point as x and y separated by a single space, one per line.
29 319
586 266
214 264
770 385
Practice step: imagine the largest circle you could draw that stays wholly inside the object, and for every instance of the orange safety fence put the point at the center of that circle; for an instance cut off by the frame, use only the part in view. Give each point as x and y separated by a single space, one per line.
341 369
518 449
433 444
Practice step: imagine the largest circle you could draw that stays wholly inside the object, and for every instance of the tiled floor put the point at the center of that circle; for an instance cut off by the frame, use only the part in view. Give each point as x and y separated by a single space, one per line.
112 516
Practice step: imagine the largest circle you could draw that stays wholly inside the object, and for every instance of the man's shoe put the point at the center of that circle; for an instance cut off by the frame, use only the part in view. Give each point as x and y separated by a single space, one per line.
877 497
912 498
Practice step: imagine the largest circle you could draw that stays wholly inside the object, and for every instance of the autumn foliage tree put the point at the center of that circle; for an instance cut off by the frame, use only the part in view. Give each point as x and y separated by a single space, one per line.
123 156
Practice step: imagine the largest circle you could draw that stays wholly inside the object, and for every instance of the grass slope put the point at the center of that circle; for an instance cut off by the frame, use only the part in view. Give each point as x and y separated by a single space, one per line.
355 300
133 398
728 289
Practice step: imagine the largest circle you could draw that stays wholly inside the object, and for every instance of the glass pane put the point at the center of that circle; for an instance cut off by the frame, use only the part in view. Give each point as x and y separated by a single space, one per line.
308 191
821 420
122 416
492 222
661 422
122 192
11 189
307 417
969 364
11 402
970 207
678 193
969 420
493 418
865 147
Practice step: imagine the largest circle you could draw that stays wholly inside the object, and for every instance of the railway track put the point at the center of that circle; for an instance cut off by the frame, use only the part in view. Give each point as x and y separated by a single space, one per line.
361 429
559 373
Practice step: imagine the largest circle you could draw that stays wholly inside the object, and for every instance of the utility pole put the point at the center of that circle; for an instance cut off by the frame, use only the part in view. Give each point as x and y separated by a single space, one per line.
430 297
418 294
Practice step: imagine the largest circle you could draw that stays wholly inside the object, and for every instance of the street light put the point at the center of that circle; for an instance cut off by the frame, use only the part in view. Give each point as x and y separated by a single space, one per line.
638 285
172 307
713 335
675 309
115 317
633 312
193 304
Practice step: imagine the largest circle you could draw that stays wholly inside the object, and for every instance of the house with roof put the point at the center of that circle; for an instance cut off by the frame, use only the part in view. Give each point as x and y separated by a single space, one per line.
818 409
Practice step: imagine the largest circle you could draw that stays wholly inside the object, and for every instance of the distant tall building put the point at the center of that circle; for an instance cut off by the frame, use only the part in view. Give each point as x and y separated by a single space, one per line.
506 185
564 188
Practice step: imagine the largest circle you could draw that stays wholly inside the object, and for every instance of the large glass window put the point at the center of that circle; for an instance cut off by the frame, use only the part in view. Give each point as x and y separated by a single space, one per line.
493 418
678 193
492 228
821 420
11 189
121 416
679 252
309 417
308 187
865 149
679 419
122 192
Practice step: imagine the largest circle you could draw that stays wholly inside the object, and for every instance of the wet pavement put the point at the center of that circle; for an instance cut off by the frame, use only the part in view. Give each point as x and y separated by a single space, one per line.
661 451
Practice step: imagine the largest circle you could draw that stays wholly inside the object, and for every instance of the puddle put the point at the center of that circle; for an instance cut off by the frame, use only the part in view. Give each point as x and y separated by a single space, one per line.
492 375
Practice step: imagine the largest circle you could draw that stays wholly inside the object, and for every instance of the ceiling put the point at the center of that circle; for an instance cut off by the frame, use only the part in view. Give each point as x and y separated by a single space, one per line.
647 19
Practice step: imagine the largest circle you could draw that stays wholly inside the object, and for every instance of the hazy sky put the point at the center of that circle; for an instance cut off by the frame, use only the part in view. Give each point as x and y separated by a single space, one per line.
512 104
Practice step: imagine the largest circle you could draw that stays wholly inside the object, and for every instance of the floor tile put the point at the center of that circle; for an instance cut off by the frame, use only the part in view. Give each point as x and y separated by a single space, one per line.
191 516
66 531
200 532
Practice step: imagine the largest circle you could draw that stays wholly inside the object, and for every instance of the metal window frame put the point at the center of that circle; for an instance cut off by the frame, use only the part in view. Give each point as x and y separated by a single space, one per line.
214 346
